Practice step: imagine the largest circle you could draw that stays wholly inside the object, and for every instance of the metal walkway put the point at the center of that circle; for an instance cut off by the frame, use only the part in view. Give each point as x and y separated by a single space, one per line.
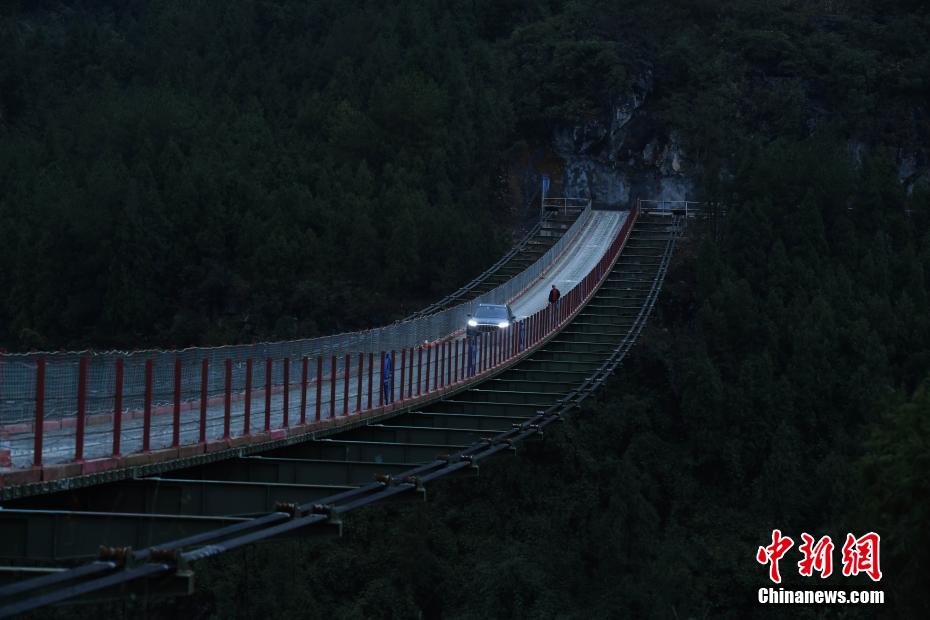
66 417
266 407
153 527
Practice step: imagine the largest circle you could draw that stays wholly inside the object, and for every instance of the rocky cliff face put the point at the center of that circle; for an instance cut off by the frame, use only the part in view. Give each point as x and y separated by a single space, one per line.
913 169
911 162
625 154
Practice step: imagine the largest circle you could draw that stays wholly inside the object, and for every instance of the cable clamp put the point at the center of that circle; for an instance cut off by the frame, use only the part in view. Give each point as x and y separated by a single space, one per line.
164 556
121 556
329 510
289 508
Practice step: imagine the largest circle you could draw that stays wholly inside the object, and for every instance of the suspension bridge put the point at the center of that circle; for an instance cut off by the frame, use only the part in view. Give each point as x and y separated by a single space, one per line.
119 471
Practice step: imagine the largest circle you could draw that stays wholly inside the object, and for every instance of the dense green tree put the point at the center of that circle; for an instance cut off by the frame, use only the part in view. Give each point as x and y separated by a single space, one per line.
894 495
165 161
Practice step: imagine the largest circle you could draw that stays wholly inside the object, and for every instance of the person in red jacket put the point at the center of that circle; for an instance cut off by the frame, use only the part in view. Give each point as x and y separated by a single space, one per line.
554 296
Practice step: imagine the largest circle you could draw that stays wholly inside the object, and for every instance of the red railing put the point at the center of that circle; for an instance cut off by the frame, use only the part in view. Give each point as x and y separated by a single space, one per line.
446 369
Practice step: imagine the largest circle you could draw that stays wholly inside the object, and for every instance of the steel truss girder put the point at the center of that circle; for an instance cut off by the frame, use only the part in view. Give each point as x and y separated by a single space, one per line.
370 451
173 495
64 536
293 470
417 434
485 423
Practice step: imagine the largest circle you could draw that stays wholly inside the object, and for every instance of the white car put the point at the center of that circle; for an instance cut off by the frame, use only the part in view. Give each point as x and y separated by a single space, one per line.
489 317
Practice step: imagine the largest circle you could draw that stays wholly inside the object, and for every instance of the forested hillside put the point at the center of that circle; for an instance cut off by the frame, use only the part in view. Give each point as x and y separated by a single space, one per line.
175 173
191 172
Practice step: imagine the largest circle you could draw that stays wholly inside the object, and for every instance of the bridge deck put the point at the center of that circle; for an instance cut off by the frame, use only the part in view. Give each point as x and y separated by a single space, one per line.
440 438
334 399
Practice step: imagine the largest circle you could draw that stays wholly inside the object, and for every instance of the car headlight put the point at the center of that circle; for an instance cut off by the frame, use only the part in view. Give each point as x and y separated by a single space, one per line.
503 324
472 323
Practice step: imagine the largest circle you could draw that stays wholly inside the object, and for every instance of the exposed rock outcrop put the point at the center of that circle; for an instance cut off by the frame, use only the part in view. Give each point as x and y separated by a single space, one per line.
625 153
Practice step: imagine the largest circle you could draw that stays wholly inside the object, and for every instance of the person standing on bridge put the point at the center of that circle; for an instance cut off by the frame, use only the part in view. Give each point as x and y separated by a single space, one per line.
472 354
387 393
554 296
